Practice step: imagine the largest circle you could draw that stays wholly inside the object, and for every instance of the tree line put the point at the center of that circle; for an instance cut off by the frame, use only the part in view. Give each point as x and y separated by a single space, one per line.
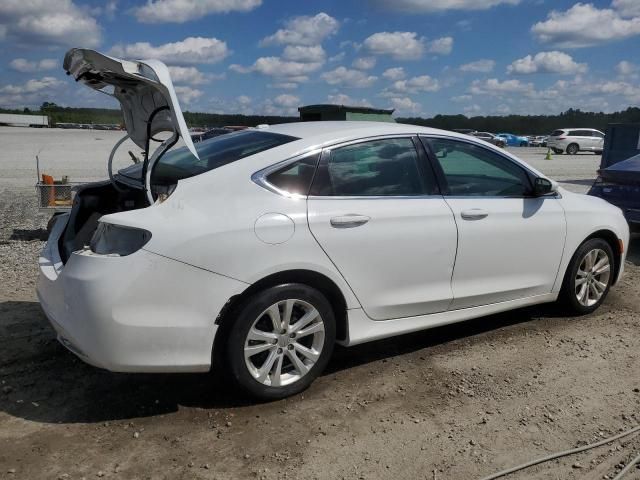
521 124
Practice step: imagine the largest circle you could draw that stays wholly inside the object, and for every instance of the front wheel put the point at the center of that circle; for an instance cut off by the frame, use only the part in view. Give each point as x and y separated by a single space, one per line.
281 341
588 277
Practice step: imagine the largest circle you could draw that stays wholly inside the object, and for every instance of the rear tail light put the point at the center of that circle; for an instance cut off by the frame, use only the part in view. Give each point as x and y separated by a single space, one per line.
116 240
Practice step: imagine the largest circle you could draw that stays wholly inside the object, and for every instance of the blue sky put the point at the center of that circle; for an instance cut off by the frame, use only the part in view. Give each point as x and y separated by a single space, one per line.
421 57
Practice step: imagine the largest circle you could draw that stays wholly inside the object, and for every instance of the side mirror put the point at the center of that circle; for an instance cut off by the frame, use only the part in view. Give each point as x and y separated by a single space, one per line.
544 186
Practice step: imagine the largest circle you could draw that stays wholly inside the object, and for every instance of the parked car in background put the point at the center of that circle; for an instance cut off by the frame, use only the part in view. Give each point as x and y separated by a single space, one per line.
491 138
514 140
538 141
574 140
619 184
255 252
214 132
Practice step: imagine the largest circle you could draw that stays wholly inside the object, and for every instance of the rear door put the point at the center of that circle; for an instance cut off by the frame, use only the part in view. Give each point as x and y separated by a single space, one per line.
509 244
375 209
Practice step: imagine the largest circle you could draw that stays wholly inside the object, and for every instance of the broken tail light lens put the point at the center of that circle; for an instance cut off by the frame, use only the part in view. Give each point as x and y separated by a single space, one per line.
116 240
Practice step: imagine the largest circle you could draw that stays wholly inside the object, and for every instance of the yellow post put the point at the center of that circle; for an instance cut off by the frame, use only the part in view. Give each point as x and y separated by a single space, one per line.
548 157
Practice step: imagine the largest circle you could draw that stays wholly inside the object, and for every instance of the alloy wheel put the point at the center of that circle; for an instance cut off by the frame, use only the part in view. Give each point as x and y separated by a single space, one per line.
592 277
284 342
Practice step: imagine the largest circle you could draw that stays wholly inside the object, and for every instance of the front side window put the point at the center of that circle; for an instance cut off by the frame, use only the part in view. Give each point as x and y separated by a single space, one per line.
471 170
214 152
388 167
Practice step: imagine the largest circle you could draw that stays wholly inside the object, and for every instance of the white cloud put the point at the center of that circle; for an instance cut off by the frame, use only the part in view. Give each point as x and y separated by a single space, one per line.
337 57
406 45
395 73
625 68
627 8
348 78
547 62
31 86
431 6
462 98
187 94
190 75
481 66
440 46
364 63
304 30
279 68
243 100
472 109
399 45
303 53
423 83
180 11
404 105
48 23
284 85
342 99
287 100
26 66
191 50
493 86
584 25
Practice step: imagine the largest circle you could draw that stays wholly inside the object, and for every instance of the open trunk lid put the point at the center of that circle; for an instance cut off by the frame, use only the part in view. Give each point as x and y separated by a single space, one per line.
143 88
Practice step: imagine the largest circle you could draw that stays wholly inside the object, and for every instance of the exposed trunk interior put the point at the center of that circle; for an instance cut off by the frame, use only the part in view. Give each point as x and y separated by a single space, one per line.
91 202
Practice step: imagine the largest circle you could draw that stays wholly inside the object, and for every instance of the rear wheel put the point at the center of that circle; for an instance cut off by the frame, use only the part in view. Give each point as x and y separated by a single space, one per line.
572 148
523 144
588 277
281 341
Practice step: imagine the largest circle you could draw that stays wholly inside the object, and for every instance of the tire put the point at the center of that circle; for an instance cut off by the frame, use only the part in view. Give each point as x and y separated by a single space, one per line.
598 152
257 374
570 294
523 144
572 149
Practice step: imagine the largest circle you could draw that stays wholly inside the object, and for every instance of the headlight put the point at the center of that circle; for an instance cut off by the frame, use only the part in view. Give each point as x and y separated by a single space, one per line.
110 239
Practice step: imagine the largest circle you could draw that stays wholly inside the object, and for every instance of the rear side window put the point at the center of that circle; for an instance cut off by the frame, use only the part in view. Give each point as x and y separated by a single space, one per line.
296 177
214 152
557 133
388 167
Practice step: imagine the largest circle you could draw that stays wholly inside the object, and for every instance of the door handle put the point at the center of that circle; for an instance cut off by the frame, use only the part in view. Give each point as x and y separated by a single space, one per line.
474 214
349 221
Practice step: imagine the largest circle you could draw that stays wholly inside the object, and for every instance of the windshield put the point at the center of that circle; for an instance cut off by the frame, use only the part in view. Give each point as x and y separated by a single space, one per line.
214 152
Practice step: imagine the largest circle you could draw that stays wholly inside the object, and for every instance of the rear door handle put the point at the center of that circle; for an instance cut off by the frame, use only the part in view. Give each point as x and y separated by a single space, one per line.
349 221
474 214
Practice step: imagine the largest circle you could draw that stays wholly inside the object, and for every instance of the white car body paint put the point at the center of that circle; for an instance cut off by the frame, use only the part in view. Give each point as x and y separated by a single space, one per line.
410 263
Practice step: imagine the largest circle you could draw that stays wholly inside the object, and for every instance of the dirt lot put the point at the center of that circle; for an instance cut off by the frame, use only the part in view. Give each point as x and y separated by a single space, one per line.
453 403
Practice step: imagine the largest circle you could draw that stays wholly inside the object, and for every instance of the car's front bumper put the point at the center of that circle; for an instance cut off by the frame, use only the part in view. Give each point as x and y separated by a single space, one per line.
139 313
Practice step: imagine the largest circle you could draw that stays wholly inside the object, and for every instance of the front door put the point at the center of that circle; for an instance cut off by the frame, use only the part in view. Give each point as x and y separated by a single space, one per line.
509 243
375 210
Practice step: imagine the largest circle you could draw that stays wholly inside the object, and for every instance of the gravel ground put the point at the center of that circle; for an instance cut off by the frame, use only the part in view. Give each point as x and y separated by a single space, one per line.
452 403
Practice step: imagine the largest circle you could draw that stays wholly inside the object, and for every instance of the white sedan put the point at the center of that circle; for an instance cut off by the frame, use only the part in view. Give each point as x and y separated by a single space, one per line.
255 252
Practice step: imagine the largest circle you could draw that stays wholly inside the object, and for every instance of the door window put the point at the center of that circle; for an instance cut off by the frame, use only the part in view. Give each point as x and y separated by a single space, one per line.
388 167
471 170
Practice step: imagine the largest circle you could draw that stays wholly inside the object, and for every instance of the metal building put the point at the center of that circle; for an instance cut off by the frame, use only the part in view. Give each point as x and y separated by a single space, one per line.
323 112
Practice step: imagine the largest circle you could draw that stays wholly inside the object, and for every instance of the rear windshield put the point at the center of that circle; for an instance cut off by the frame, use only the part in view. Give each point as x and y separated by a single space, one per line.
214 152
557 133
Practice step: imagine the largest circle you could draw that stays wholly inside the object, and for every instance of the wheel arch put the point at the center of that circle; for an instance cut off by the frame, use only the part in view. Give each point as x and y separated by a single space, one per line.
308 277
612 239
